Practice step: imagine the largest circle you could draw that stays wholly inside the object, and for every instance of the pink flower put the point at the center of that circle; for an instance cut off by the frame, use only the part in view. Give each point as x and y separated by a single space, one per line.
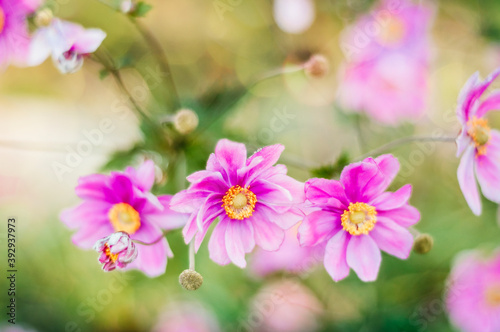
357 218
122 202
117 251
14 36
187 317
285 306
252 199
473 296
291 257
67 42
388 63
477 143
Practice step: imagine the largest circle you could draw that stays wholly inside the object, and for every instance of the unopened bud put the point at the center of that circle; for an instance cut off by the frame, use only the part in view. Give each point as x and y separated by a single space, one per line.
317 66
190 279
185 121
44 17
423 243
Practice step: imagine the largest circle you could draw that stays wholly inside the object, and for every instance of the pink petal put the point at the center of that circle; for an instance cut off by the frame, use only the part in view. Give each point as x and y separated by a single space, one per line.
209 210
364 257
217 243
90 233
231 156
89 40
488 169
326 193
404 216
187 202
392 238
285 220
144 176
85 213
389 166
268 236
239 240
168 219
92 187
467 180
266 157
356 179
152 260
318 227
492 103
335 256
189 231
390 201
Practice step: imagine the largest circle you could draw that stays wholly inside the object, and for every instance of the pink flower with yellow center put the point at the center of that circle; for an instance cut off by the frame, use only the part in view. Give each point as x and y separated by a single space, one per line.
478 144
473 294
356 218
387 67
253 200
14 35
122 202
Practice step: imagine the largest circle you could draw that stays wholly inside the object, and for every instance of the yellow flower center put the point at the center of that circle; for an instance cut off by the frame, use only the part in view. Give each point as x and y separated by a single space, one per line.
107 251
124 218
239 202
392 32
2 19
480 133
493 295
359 219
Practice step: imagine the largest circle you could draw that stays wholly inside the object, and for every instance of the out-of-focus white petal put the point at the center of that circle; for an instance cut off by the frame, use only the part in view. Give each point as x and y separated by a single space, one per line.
294 16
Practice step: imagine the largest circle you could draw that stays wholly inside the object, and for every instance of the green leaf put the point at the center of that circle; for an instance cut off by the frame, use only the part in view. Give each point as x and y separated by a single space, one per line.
333 170
141 9
103 73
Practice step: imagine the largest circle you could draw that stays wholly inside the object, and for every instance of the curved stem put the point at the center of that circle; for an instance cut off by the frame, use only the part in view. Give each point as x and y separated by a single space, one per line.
403 141
161 58
149 244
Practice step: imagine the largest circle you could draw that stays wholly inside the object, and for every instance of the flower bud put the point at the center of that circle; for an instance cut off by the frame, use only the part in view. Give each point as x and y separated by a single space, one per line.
423 243
317 66
117 250
190 279
185 121
44 17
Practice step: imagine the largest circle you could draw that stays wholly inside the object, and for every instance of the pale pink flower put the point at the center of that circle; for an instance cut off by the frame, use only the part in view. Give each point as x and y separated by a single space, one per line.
473 294
68 43
186 317
478 144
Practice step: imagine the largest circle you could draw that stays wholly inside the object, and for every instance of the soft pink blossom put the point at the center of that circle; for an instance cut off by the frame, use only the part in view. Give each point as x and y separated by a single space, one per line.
387 67
253 200
68 43
356 218
473 294
478 144
122 202
186 317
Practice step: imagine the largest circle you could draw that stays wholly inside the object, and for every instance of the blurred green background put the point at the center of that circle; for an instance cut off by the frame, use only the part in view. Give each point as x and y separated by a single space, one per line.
215 60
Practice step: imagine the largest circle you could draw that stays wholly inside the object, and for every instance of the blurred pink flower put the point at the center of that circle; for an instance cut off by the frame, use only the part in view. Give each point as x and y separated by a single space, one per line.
117 251
291 257
357 218
387 65
294 16
284 306
252 198
186 317
14 36
68 43
477 143
122 202
473 294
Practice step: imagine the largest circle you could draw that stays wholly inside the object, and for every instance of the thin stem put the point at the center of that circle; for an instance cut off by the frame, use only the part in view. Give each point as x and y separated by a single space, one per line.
191 255
161 58
403 141
149 244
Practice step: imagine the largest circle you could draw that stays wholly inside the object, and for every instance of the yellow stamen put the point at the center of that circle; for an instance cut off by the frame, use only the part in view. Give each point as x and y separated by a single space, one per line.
108 253
239 202
393 30
359 219
493 295
2 19
479 131
124 218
